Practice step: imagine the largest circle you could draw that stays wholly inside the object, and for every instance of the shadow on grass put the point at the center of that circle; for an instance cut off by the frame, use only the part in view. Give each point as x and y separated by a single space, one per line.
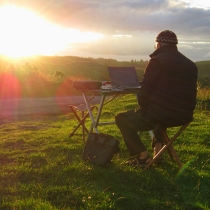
78 185
48 173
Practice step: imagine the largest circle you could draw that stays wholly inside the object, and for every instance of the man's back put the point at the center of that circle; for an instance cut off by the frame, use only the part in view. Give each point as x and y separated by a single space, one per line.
169 86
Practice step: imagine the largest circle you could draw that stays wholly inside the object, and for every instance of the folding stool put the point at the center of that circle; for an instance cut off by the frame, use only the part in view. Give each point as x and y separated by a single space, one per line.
168 145
81 108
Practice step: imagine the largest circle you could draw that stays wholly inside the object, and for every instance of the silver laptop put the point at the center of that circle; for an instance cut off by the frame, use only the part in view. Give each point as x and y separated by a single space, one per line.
123 78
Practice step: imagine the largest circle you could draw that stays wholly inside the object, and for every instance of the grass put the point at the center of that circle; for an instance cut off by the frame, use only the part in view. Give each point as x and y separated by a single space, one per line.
41 168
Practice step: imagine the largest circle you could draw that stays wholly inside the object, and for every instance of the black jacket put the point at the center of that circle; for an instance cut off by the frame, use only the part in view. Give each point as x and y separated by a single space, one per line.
168 89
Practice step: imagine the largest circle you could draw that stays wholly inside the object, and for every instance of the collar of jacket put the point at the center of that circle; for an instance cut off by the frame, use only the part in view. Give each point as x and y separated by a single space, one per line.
165 48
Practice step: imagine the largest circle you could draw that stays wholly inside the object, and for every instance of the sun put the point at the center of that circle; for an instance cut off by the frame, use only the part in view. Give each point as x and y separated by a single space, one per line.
23 33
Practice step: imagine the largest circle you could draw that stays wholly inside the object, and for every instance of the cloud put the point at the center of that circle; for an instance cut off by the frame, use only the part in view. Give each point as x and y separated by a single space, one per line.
121 45
123 15
195 51
207 56
141 19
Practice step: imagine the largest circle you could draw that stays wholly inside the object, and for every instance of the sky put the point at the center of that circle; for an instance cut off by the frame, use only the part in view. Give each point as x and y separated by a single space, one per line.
119 29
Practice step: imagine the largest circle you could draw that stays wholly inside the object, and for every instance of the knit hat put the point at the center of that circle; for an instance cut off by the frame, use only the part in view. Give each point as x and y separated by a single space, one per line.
167 36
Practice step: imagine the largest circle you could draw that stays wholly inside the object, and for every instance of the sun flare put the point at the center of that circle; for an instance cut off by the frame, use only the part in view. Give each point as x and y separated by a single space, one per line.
24 34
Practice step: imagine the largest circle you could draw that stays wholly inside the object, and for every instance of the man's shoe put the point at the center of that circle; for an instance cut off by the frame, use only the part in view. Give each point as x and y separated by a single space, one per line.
137 162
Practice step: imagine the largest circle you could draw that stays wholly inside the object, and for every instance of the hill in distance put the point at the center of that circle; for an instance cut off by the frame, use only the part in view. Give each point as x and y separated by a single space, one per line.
91 68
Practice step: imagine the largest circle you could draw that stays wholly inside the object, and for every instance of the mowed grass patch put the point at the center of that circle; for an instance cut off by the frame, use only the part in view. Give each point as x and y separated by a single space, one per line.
41 167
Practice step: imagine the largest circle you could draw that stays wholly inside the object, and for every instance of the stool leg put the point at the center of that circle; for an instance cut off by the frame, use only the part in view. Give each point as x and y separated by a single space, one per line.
156 157
81 122
172 151
166 141
168 147
83 127
171 148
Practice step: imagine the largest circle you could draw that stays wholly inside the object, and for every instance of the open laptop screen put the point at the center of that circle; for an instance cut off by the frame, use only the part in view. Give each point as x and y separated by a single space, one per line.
124 77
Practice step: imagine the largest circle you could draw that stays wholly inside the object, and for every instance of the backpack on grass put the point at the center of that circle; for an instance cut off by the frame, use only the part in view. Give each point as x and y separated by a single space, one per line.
100 148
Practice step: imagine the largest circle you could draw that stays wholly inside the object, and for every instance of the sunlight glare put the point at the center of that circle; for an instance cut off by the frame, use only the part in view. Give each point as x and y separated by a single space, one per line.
24 34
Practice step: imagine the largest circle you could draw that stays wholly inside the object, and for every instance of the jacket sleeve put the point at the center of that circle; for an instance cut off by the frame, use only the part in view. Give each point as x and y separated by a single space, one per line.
149 82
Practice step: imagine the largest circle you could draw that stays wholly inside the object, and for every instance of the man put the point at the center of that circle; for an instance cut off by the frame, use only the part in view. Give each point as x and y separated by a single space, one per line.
167 97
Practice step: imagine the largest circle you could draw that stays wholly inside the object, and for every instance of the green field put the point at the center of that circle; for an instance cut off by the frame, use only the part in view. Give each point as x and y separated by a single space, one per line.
41 167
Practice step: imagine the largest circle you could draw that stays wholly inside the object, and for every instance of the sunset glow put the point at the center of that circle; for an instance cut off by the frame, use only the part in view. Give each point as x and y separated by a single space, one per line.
24 34
123 30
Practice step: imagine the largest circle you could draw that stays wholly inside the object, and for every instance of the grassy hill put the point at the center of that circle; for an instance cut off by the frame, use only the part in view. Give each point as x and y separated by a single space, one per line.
90 68
42 76
94 69
204 72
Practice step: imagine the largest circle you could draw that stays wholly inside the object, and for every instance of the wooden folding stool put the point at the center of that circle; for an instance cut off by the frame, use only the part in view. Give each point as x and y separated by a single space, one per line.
81 108
168 145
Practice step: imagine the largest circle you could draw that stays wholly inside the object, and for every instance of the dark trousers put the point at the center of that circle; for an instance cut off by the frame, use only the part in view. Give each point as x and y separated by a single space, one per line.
129 123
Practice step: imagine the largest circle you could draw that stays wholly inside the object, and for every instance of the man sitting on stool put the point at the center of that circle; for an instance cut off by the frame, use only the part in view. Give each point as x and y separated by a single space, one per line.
167 97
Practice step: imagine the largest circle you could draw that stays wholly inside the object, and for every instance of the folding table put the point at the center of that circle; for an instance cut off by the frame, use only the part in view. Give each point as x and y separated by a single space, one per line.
104 93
